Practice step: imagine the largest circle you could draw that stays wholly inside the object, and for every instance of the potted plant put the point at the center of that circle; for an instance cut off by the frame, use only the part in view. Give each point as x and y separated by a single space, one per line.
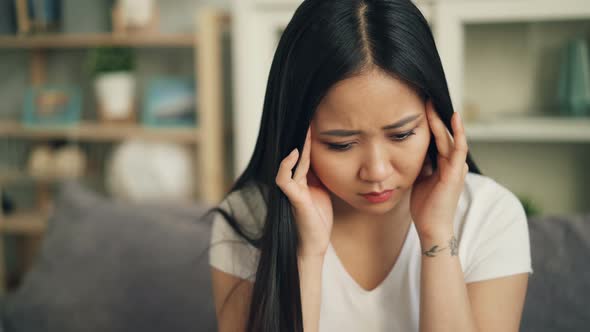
112 69
531 209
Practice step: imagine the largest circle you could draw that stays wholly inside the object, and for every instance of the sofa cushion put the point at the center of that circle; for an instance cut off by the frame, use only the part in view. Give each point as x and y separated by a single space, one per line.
106 266
557 296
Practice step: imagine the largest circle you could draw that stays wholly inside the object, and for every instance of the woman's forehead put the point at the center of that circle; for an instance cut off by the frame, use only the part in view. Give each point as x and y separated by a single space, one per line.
367 99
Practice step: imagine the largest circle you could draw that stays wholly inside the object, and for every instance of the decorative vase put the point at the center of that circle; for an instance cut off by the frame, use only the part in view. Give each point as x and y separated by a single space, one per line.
574 79
141 171
115 93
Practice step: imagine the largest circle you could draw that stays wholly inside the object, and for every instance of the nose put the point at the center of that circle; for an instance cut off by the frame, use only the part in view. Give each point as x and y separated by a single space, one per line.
376 166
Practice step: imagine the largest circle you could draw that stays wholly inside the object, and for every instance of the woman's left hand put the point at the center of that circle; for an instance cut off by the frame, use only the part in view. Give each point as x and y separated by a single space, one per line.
435 195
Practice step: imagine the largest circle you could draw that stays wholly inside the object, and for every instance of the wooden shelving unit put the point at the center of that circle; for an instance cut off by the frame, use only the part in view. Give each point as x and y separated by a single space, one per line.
30 224
96 132
502 61
206 41
207 138
50 41
25 223
8 176
530 129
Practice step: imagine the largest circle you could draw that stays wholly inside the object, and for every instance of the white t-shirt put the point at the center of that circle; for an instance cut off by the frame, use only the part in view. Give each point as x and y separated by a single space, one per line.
491 228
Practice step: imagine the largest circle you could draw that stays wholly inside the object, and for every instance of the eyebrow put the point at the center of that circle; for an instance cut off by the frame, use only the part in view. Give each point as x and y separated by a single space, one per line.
345 133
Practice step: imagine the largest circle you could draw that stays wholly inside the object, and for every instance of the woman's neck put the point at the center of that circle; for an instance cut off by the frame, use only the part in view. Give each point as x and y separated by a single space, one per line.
361 227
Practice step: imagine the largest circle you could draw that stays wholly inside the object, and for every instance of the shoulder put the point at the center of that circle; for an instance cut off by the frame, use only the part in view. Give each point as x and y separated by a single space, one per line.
485 203
481 191
482 185
493 230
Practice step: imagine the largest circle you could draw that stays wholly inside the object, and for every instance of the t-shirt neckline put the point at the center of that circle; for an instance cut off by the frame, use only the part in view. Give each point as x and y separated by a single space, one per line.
402 257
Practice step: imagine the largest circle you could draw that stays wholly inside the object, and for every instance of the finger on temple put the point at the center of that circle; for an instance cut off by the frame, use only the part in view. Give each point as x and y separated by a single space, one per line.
303 166
285 169
439 130
460 144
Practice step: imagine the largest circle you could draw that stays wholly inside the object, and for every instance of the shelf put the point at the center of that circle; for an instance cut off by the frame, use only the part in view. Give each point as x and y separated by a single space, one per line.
97 40
206 45
27 223
530 129
97 132
11 175
8 176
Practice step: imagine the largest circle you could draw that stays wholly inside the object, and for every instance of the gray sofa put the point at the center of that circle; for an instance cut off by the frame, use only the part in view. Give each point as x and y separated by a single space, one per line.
558 296
105 266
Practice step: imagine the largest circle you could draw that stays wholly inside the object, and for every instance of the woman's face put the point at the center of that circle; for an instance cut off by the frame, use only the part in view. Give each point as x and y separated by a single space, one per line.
369 134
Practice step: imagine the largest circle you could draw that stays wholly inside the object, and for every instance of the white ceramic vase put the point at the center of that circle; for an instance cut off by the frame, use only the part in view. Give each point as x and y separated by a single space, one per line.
115 93
141 171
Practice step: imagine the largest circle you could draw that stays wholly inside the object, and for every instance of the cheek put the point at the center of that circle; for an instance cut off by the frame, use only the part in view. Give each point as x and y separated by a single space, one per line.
329 167
412 155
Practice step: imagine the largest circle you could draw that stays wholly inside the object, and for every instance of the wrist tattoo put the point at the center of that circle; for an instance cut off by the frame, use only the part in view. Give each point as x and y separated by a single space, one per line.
453 247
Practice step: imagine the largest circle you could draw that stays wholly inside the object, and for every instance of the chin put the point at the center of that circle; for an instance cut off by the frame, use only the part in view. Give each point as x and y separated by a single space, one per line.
359 204
379 209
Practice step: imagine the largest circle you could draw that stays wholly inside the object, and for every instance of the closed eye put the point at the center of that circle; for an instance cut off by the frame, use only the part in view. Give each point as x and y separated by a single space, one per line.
404 136
396 138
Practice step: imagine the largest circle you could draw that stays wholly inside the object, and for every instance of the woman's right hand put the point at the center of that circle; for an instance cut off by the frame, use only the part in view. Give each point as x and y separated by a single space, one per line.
310 201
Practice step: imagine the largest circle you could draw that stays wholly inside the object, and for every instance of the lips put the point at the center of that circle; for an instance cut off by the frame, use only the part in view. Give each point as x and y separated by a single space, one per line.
380 197
377 193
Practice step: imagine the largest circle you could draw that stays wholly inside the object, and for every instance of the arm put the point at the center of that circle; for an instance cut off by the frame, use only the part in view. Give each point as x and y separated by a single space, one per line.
448 304
232 301
232 296
497 303
310 281
444 301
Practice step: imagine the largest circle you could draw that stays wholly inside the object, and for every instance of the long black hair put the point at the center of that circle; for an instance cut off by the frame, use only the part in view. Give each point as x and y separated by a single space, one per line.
325 42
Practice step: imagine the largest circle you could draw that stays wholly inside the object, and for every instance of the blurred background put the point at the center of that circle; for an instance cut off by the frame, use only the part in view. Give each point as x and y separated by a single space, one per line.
130 98
145 106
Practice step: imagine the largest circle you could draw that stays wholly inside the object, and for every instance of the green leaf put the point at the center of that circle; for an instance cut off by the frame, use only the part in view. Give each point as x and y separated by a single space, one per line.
110 59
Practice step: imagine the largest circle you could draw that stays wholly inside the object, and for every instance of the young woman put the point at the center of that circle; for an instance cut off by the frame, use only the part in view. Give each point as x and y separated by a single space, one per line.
361 208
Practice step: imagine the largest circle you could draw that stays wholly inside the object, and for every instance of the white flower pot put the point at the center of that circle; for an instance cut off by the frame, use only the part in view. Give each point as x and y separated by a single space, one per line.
115 93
